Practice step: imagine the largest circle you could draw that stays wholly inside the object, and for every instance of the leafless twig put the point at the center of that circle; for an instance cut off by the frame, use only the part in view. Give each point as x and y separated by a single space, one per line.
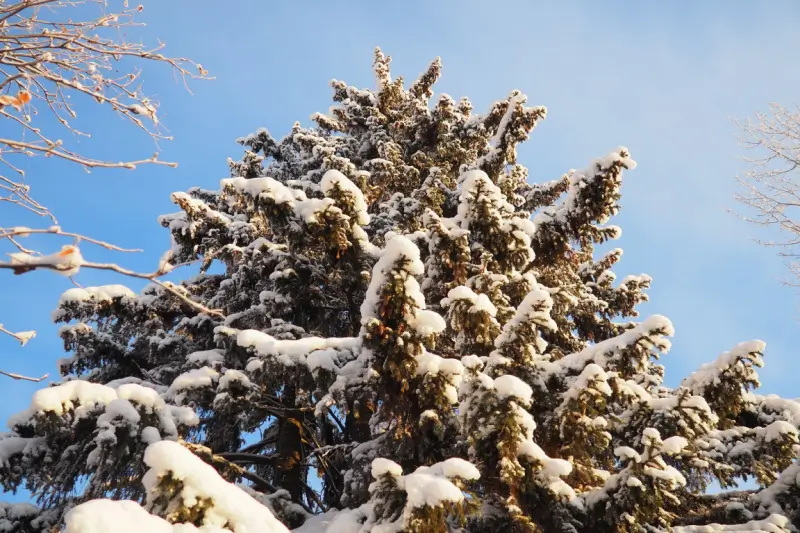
47 57
23 337
56 230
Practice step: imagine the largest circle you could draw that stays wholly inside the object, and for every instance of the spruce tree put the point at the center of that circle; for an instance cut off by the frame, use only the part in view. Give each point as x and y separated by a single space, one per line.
404 334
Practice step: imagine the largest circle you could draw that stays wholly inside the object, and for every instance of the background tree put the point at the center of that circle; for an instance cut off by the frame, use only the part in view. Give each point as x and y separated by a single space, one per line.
53 53
399 333
771 186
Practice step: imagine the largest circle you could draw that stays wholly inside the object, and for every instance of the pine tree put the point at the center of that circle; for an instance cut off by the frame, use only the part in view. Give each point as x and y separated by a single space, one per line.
405 335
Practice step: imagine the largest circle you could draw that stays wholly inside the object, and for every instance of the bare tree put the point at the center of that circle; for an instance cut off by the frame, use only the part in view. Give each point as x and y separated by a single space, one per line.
52 53
770 188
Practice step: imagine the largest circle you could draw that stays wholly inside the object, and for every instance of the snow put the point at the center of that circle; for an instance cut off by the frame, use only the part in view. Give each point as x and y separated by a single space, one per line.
426 486
625 452
709 373
778 429
593 380
64 397
196 209
425 322
557 468
476 187
674 445
651 434
24 336
472 361
633 481
324 523
206 357
197 378
267 187
462 292
119 415
652 329
282 274
515 100
400 255
11 445
349 521
164 264
231 506
13 513
669 475
67 261
148 398
230 376
102 516
552 467
432 364
304 208
312 352
363 241
453 467
774 523
424 489
480 303
333 179
788 481
381 467
509 386
322 359
150 435
535 307
308 209
579 180
649 463
19 232
104 293
428 414
483 304
776 406
122 409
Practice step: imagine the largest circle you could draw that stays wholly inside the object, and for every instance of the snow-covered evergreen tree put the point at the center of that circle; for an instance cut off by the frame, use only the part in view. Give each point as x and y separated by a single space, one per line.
406 335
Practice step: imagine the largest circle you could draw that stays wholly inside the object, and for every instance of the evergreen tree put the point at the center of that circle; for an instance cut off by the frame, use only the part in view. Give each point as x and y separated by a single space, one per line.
405 335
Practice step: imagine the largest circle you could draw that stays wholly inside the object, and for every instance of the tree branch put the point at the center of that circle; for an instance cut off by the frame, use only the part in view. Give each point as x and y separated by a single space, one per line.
19 266
20 377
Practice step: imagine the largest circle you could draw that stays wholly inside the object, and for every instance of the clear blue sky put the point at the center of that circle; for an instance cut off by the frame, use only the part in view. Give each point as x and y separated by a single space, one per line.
662 78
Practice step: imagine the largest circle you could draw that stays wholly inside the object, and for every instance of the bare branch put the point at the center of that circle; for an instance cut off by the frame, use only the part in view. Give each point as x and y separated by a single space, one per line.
56 230
23 337
46 60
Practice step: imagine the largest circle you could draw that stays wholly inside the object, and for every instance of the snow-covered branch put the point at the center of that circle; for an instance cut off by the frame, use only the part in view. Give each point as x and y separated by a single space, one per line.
69 261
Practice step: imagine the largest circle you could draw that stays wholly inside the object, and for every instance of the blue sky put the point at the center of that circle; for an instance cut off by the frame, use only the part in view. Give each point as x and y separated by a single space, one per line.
662 78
